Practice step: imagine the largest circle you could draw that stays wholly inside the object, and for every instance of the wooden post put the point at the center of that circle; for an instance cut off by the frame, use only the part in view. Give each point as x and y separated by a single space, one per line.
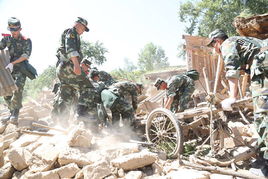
218 73
206 80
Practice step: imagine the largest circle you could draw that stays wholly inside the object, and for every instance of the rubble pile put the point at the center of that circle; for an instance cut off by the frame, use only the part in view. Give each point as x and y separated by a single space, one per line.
30 151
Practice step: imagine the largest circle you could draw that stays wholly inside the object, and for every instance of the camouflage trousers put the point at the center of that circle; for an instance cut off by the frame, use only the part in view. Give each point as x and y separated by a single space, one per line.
87 102
261 124
259 89
66 98
122 108
181 100
67 95
15 101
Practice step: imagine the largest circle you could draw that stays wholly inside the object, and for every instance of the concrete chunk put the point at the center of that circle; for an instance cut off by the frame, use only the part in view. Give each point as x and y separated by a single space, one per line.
121 149
12 135
133 175
97 170
41 175
24 140
6 171
134 161
72 155
68 171
79 138
44 157
2 127
10 128
19 158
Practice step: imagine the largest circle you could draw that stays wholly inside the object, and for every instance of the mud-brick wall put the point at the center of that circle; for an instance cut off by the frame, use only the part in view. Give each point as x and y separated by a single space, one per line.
199 56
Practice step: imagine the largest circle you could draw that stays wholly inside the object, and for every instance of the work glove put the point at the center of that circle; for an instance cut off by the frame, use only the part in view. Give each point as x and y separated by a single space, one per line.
10 67
226 104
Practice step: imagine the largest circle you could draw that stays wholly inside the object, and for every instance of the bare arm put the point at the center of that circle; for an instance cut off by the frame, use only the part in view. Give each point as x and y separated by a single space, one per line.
233 83
169 102
76 69
21 59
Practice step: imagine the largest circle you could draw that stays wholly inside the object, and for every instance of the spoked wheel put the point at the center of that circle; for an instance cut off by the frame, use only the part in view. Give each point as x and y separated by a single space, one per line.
164 131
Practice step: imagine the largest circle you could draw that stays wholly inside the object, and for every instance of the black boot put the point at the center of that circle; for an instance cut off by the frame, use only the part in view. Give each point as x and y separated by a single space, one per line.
14 116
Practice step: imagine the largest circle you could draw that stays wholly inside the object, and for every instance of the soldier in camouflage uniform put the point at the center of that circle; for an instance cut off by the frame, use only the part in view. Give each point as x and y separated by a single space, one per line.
127 89
68 70
106 78
87 107
238 52
113 99
179 89
20 49
99 86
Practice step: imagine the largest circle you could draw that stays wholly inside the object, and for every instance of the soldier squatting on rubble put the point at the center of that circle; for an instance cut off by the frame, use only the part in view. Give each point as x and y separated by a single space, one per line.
179 89
239 52
20 49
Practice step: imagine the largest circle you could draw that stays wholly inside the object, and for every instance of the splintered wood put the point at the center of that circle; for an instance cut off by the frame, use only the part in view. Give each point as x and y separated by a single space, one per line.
7 84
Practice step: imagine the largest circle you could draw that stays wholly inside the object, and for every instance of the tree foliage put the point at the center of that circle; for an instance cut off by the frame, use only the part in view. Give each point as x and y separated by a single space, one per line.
152 57
125 75
204 16
95 51
44 80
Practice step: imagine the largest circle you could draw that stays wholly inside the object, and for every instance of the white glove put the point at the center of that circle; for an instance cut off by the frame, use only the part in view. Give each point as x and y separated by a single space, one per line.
10 67
226 104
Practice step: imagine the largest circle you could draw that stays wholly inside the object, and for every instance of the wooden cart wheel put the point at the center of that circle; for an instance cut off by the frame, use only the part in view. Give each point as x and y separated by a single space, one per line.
164 131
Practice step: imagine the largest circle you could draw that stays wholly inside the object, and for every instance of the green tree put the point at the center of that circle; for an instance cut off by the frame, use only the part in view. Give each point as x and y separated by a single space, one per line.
152 57
204 16
128 65
95 51
121 74
44 80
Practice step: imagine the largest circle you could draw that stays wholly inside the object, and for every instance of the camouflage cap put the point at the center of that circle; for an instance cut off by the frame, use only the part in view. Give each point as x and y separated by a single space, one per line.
158 83
83 22
86 61
13 24
215 34
94 73
192 74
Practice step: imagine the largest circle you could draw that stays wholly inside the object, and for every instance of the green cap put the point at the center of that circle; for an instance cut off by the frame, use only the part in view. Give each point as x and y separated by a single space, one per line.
13 24
192 74
158 83
215 34
83 22
93 73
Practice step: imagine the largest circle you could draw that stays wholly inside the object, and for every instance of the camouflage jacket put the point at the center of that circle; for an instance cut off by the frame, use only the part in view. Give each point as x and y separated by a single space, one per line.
70 44
99 87
177 84
21 47
125 89
106 78
108 98
238 51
